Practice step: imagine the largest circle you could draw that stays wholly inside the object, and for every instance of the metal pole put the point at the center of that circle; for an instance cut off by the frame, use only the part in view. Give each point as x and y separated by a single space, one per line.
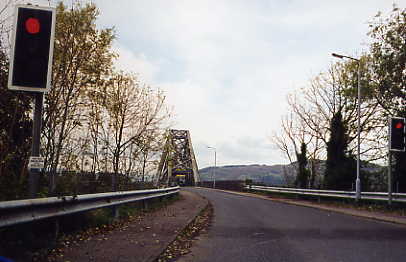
214 171
35 146
358 181
105 161
169 171
390 178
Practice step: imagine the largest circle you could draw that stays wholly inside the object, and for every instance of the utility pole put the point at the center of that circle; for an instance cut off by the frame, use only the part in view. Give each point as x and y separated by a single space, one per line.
358 180
215 165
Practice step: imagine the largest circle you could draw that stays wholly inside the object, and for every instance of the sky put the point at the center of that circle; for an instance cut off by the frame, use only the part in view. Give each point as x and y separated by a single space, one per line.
227 66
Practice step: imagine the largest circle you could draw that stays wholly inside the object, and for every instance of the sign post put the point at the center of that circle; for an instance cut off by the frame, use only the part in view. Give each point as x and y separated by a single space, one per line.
36 143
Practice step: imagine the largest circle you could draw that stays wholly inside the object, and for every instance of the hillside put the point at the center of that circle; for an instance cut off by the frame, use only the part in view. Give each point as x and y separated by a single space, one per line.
271 175
274 175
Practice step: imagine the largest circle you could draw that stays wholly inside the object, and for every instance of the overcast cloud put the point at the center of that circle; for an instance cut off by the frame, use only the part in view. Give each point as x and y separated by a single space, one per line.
227 65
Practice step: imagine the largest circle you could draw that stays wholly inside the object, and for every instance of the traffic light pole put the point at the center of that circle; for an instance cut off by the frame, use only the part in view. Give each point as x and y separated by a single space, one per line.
390 178
35 147
30 70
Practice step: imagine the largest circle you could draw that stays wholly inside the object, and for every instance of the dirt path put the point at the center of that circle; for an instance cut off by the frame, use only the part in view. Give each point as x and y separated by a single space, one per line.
143 240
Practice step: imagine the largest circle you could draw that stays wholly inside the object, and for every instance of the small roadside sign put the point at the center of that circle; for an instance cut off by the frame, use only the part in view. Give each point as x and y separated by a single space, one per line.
36 162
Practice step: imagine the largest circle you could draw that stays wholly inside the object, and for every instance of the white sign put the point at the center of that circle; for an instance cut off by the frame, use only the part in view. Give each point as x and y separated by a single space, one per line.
36 162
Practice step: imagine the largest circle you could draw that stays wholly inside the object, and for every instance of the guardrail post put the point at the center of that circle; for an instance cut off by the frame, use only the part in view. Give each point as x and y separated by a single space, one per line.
145 204
57 228
116 213
114 189
161 199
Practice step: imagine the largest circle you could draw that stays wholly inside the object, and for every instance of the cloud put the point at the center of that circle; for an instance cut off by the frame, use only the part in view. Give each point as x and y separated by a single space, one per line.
242 150
227 66
129 61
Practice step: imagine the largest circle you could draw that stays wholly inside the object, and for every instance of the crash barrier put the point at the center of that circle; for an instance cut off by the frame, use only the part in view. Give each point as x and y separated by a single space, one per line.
379 196
29 210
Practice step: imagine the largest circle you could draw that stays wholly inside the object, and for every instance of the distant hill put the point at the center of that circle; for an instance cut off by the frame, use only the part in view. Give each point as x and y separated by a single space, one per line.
281 175
270 175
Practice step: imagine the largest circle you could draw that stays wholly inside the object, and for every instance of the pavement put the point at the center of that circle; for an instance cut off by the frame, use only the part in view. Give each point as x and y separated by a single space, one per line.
143 240
246 228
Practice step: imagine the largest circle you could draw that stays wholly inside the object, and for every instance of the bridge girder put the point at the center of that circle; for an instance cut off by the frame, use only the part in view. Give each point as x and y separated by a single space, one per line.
178 162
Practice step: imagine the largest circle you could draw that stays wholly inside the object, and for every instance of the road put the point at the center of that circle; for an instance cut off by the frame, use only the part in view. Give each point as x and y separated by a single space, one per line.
253 229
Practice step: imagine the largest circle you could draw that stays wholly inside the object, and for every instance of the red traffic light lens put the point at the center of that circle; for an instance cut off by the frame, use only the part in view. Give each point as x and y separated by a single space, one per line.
399 125
32 25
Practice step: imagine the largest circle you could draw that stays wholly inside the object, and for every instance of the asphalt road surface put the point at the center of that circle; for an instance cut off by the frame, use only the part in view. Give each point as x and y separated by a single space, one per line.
253 229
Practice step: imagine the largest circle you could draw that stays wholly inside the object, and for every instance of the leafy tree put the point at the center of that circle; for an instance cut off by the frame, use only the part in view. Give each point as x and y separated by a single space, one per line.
388 52
340 172
303 173
15 137
82 59
388 74
89 109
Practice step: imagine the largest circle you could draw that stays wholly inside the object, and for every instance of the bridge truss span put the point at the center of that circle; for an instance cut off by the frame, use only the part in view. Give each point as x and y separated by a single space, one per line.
178 163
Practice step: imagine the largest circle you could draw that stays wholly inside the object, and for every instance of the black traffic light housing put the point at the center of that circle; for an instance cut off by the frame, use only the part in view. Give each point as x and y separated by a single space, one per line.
397 134
32 48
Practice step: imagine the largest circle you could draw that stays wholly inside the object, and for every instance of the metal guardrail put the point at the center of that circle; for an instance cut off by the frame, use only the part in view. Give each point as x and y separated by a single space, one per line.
380 196
28 210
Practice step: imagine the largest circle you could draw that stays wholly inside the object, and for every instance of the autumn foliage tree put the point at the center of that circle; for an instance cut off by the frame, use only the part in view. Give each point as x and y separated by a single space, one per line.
388 74
82 58
15 137
96 120
331 99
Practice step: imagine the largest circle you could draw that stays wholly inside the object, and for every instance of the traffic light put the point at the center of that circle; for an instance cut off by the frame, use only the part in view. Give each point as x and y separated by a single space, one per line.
32 48
397 134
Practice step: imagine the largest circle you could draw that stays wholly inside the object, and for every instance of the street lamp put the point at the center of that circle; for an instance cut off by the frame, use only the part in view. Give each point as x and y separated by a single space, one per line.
215 164
358 181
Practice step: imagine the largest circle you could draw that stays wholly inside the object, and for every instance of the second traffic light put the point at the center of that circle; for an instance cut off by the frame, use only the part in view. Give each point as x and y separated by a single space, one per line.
397 134
31 57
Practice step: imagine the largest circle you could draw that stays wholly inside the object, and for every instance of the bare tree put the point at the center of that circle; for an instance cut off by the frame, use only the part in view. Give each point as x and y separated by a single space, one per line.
335 91
312 109
134 113
6 21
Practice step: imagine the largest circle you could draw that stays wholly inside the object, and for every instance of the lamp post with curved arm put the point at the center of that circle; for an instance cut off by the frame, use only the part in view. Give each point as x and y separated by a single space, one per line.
357 181
215 165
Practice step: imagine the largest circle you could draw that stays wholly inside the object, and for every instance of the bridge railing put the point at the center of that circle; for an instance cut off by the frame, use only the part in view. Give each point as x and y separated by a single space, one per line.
29 210
380 196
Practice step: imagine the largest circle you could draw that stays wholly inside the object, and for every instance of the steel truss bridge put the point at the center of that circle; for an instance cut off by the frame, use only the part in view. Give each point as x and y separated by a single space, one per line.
178 163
